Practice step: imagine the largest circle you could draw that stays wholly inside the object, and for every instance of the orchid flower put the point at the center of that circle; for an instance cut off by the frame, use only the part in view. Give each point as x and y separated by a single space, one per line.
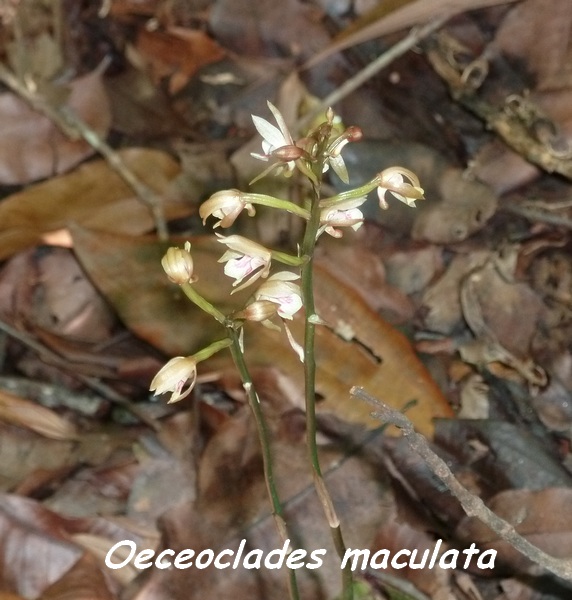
400 182
179 372
225 205
334 158
277 143
244 259
280 290
343 214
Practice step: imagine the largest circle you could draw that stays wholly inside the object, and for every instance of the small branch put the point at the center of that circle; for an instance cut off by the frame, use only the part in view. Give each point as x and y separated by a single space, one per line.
412 39
71 125
472 505
58 361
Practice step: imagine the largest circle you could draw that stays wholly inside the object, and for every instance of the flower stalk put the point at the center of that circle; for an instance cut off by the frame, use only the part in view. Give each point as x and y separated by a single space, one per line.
307 288
263 436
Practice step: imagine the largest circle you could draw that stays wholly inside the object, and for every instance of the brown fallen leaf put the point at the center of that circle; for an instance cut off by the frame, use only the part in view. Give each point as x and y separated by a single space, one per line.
394 536
33 541
32 416
40 556
84 581
360 348
412 13
177 53
93 195
34 148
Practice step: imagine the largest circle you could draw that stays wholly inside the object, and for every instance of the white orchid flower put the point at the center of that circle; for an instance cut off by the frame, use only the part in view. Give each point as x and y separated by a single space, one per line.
244 259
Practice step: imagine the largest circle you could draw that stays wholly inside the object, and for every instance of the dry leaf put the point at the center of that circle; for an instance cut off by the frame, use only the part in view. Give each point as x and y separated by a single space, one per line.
32 416
33 542
93 195
34 148
413 13
177 53
84 581
233 505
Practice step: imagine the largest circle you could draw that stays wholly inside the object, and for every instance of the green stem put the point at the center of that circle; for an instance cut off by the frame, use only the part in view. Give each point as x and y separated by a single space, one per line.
287 259
211 349
286 205
202 303
352 194
264 438
307 288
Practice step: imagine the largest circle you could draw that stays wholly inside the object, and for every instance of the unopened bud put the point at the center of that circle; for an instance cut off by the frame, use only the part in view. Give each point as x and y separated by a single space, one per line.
178 265
260 310
288 153
353 133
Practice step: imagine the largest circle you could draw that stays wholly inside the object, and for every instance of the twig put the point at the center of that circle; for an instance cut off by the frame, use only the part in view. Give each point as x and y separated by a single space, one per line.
538 214
65 119
472 505
408 42
55 359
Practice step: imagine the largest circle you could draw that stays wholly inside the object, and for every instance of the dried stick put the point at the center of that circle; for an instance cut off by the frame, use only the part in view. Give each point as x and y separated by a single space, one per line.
352 84
71 125
472 505
53 358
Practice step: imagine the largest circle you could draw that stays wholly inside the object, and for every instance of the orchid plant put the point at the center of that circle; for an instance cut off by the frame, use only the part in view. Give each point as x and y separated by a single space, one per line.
280 295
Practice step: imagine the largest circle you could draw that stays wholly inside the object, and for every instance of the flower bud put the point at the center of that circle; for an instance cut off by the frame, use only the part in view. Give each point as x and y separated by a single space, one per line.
353 133
288 153
178 265
259 310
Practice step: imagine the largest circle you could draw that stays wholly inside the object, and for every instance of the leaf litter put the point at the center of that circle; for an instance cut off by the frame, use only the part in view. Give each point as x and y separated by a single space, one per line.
462 309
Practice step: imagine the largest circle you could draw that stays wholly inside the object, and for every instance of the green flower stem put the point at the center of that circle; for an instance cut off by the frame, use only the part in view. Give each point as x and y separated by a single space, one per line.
354 194
307 288
202 303
287 259
262 428
211 349
264 200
